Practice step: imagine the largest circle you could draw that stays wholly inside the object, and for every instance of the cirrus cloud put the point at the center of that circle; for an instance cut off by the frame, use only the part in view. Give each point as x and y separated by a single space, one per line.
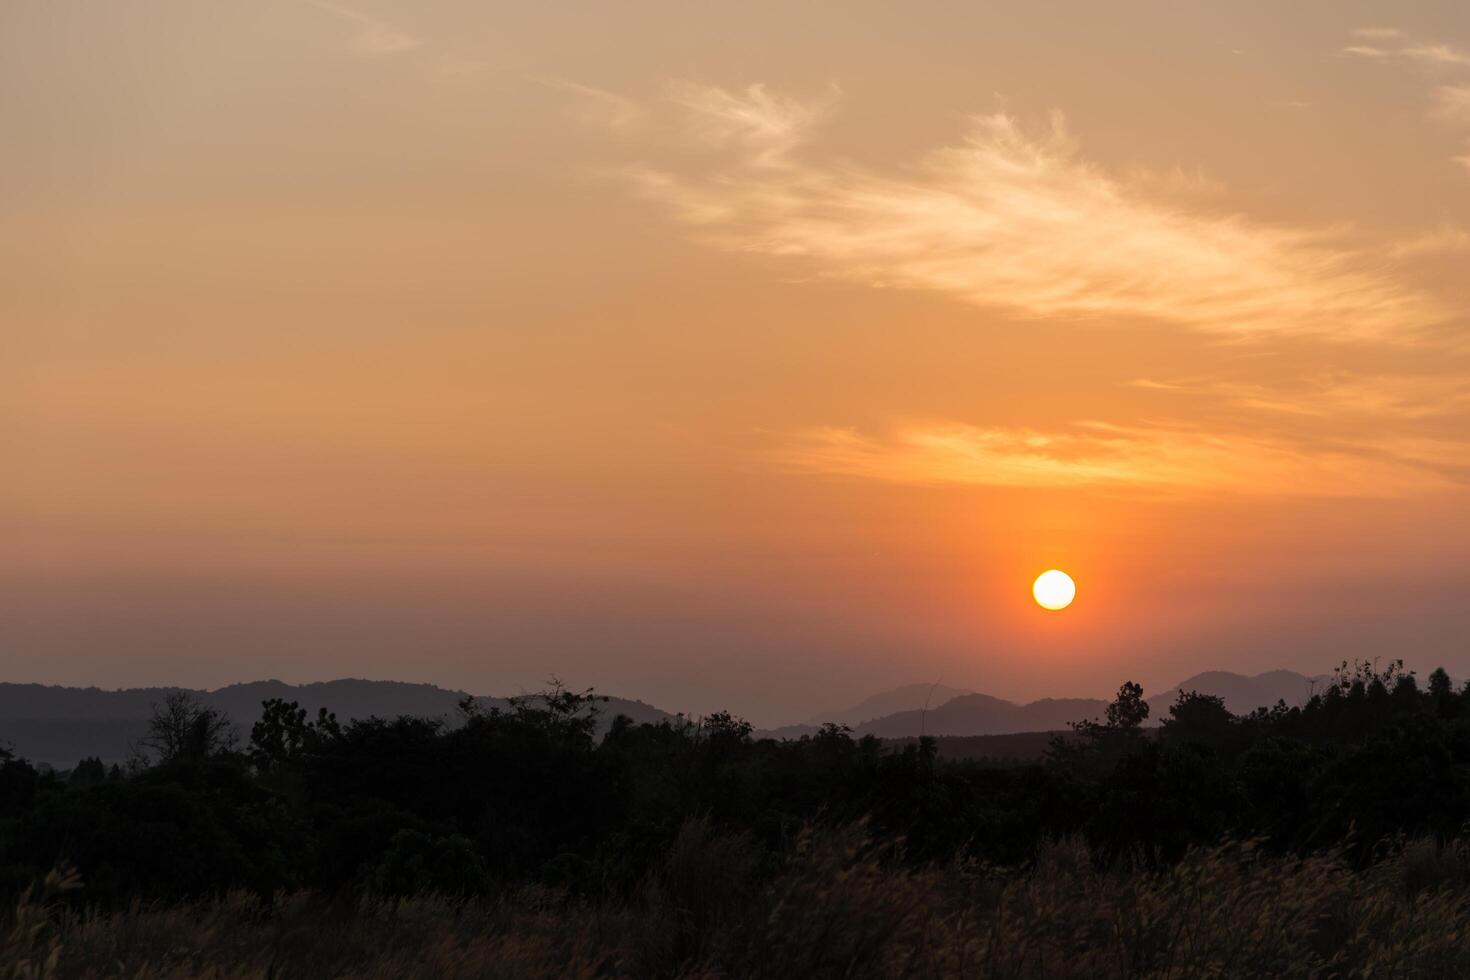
1158 458
374 35
1347 397
1018 219
1450 103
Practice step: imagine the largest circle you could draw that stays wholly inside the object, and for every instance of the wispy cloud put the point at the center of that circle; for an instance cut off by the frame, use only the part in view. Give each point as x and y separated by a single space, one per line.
374 36
1350 398
1452 107
1443 240
1379 33
1015 218
1437 55
762 125
1156 458
598 106
1450 104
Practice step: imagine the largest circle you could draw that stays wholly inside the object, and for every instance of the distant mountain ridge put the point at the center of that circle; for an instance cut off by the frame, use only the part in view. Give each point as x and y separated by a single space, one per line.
980 714
908 697
60 725
1243 693
966 713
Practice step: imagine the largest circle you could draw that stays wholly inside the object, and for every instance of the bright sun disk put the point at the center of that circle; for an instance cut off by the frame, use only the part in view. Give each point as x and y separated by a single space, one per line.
1054 589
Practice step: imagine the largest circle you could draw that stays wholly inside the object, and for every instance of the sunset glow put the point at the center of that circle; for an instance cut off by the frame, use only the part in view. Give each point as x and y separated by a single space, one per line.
742 356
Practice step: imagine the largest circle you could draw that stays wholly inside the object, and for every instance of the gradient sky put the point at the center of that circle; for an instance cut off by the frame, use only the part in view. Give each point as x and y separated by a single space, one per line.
732 356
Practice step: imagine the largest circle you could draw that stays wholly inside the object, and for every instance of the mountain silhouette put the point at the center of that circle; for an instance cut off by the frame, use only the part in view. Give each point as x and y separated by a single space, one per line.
910 697
1243 694
981 714
59 725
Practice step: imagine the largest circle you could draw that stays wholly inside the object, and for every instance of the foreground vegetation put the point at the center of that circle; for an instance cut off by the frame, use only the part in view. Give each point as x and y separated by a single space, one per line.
838 908
1320 840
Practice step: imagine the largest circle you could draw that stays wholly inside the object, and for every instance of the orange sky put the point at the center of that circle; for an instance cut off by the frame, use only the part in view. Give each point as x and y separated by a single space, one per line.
732 356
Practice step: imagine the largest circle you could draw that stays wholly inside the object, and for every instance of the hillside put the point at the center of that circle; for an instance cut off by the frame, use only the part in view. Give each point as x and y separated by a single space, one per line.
1243 694
59 725
910 697
981 714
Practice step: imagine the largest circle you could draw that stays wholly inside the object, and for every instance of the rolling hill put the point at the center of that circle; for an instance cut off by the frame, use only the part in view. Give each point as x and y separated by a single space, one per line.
59 725
981 714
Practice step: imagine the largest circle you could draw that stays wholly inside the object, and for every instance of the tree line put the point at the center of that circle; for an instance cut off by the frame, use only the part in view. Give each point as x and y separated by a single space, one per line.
499 798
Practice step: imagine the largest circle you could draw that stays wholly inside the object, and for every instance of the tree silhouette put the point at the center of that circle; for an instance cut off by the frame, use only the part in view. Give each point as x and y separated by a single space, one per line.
1198 717
282 734
183 730
1129 710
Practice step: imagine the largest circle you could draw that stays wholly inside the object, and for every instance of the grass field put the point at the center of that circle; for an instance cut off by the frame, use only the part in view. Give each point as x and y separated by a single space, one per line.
836 909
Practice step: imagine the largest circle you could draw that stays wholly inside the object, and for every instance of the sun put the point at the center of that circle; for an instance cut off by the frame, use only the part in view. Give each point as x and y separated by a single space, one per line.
1054 589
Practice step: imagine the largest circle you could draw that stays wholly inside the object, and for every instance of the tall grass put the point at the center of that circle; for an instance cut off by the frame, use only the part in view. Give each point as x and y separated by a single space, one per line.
837 908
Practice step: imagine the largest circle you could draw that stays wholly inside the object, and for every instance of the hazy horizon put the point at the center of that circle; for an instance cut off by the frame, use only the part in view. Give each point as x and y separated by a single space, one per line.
732 358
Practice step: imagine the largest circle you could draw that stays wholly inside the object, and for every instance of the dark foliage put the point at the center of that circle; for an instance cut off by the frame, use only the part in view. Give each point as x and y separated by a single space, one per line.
526 794
183 730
